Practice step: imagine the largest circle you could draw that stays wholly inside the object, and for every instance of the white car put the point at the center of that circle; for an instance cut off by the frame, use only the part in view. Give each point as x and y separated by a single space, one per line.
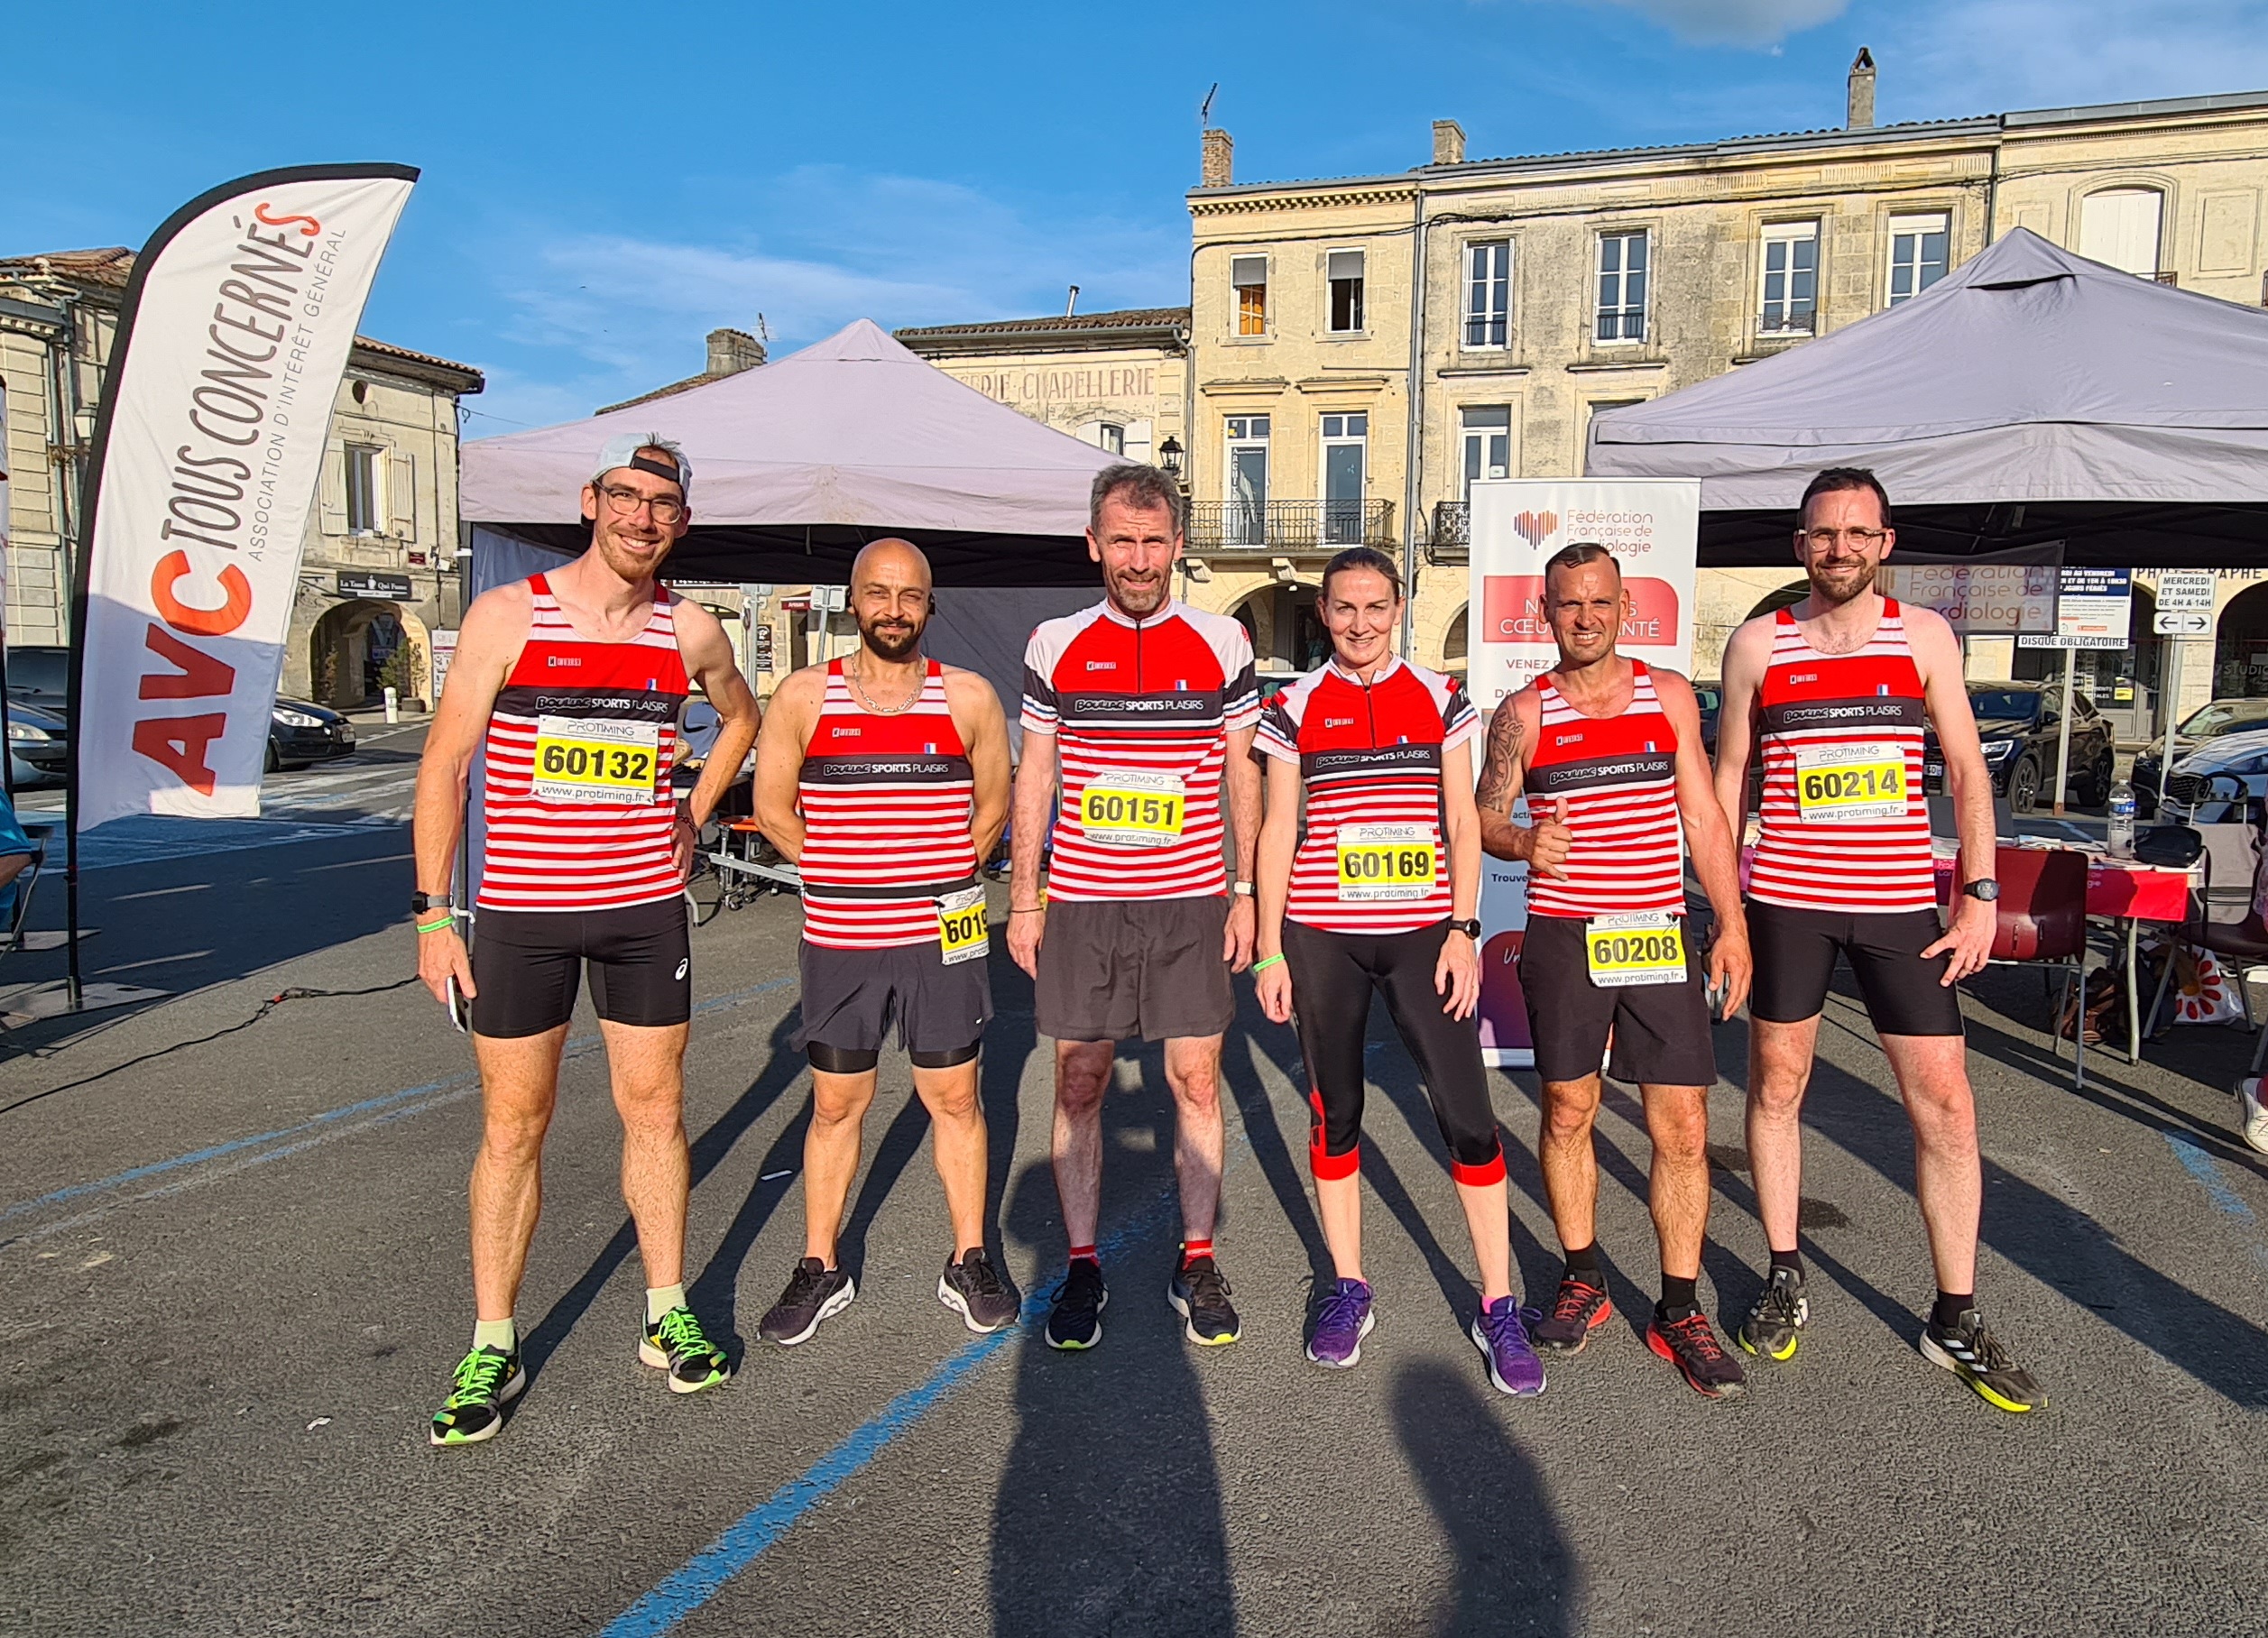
2206 786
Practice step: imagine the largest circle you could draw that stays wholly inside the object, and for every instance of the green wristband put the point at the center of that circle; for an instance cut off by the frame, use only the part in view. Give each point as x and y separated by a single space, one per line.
446 921
1264 964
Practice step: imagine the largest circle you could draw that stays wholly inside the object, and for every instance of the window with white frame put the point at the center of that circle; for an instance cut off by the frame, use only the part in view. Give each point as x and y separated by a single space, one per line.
365 499
1488 292
1346 440
1487 438
1244 520
1110 438
1622 280
1343 269
1787 302
1248 278
2120 226
1918 246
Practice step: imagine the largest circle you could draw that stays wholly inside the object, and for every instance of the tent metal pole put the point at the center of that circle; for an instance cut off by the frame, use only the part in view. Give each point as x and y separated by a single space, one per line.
2170 713
2063 731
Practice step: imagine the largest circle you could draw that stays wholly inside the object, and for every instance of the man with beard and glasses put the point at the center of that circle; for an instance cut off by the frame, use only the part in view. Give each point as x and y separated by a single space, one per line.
1835 693
571 685
884 777
1137 709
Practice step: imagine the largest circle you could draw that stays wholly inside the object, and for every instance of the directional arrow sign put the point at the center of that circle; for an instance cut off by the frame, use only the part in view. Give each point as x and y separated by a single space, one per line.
2183 623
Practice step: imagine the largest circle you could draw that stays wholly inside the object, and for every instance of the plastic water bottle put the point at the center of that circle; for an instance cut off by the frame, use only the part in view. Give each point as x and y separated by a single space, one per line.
2122 821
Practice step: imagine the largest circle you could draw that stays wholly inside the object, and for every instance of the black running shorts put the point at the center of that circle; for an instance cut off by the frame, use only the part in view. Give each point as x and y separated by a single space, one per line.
528 965
1660 1032
850 997
1111 969
1795 952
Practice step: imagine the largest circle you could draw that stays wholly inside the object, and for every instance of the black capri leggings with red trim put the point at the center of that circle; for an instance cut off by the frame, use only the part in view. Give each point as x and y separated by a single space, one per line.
1333 975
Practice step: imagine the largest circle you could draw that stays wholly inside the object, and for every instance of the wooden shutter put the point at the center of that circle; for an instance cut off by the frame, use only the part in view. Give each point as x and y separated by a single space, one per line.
401 495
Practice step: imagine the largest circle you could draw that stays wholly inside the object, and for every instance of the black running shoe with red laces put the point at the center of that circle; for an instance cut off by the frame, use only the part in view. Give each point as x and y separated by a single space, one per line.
1580 1308
1690 1344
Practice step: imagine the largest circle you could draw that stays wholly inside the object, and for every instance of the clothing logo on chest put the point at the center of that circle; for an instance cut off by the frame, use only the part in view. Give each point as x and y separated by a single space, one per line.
1649 745
929 748
1569 739
845 733
1102 665
562 659
1181 684
1881 690
1338 722
1802 676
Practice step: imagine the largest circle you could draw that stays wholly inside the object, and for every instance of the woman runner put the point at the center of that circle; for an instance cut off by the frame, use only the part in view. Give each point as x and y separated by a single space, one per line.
1380 895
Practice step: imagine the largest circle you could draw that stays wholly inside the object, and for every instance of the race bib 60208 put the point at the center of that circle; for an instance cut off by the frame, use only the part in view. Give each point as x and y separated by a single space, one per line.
1643 947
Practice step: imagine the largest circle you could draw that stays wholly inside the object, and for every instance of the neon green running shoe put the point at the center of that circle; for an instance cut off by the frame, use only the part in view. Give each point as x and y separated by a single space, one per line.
676 1344
487 1380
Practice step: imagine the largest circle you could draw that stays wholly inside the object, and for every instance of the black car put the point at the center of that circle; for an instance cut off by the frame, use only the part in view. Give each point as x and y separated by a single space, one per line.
2207 722
2019 723
300 732
39 742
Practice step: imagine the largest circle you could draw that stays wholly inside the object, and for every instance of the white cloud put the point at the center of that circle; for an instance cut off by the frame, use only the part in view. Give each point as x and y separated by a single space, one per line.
1738 23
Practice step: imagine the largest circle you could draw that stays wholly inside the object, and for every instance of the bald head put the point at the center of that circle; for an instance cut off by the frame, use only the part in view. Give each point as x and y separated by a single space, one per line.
889 597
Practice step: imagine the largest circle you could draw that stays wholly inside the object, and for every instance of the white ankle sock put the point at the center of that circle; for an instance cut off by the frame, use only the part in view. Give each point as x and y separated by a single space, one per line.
502 1334
661 1299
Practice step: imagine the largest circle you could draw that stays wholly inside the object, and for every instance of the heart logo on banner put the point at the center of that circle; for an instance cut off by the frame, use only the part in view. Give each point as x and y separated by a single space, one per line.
1535 528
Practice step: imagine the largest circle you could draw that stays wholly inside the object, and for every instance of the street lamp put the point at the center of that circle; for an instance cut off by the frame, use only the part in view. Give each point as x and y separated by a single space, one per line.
1169 455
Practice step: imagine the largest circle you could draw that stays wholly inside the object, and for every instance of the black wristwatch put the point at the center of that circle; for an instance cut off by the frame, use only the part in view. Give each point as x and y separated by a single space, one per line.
1469 927
420 903
1988 889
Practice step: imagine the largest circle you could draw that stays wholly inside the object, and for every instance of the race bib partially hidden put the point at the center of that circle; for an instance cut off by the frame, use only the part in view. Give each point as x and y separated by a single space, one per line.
1850 783
1133 808
596 760
1380 863
1643 947
962 934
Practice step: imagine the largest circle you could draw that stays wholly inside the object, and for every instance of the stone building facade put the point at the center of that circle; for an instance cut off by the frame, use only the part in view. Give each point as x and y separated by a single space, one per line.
379 571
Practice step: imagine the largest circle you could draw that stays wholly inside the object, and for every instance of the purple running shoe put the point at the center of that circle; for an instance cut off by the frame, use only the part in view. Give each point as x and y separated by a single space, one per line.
1500 1331
1342 1319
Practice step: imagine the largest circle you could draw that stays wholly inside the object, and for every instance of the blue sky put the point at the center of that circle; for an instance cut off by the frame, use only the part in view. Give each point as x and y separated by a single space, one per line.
602 184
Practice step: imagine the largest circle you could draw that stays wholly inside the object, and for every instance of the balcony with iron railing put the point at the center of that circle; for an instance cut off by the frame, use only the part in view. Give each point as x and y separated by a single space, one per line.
1289 526
1451 539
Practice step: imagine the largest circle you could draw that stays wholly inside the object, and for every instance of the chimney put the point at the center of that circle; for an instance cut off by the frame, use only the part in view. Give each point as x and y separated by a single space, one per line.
1219 151
733 351
1862 90
1449 142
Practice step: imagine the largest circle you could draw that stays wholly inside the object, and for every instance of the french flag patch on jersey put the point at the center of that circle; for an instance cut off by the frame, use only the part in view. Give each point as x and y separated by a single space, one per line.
1881 690
929 748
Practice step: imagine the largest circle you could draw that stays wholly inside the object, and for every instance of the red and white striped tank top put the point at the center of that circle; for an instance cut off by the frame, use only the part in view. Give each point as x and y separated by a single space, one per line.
1617 777
1370 758
576 793
886 803
1844 824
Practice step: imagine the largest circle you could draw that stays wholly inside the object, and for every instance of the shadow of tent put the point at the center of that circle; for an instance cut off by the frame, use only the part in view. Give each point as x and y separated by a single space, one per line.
1514 1571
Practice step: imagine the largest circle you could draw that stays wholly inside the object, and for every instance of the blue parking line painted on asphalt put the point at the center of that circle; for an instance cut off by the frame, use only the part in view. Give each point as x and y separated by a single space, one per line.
2201 1165
579 1044
749 1536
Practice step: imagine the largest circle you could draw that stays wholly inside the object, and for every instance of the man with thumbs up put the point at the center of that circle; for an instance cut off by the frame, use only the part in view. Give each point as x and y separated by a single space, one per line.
1608 751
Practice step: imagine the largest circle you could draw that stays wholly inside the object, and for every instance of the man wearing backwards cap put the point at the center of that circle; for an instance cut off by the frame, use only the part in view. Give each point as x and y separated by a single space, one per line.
571 685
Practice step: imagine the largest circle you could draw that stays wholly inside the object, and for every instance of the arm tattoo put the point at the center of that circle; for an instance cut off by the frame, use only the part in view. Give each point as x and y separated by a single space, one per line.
1504 750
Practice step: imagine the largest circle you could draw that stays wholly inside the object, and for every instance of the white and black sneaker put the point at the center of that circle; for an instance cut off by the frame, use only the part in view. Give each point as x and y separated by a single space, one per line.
975 1290
815 1293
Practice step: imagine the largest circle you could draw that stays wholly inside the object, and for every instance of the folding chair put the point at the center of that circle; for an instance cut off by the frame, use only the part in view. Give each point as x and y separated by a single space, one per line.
2040 919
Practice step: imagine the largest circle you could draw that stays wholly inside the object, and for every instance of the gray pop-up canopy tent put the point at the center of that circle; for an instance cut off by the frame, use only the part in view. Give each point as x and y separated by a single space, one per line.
2031 396
797 464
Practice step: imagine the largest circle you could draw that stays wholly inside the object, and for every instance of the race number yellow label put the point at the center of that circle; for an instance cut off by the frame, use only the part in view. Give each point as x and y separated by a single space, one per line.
1133 808
1383 863
596 760
962 934
1850 783
1640 948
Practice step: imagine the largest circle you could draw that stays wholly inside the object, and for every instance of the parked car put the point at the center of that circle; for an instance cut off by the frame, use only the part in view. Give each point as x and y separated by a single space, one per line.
2204 785
2207 722
301 732
40 673
39 742
2019 723
1709 693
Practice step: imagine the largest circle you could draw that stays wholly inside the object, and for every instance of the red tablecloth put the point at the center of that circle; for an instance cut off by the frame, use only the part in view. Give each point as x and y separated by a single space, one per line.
2115 888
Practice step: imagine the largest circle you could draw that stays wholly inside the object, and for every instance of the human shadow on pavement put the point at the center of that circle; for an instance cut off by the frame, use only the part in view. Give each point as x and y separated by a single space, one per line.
2057 1244
1514 1570
1109 1515
711 1292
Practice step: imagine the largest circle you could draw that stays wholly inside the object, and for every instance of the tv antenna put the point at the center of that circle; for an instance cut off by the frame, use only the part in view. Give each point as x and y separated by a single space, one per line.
763 330
1205 109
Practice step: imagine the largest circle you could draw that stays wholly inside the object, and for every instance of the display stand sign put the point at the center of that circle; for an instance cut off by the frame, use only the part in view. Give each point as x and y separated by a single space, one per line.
2093 608
1978 599
1652 527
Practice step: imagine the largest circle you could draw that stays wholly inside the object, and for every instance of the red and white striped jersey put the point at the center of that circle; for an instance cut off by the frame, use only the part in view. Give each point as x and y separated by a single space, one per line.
1141 711
1618 777
886 803
1369 757
1844 825
575 790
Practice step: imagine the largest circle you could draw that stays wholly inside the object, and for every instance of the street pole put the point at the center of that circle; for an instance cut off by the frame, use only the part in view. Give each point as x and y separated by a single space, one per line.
2063 732
2172 713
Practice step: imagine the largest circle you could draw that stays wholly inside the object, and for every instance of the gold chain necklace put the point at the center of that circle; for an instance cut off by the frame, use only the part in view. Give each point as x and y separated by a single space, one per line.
867 699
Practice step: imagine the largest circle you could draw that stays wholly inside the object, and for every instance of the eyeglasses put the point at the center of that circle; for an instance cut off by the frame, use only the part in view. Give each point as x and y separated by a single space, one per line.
625 502
1824 539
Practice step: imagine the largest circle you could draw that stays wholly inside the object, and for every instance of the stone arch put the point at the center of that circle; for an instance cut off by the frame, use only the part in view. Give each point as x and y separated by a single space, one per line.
348 646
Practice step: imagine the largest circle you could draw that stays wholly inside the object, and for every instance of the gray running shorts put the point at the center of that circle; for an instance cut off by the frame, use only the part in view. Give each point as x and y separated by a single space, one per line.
1111 969
851 995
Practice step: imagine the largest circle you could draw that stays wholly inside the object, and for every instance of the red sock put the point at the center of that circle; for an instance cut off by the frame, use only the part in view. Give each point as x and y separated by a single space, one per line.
1191 1250
1085 1254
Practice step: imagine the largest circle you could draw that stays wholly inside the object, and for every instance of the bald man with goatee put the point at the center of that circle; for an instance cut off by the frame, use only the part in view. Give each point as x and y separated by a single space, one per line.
884 777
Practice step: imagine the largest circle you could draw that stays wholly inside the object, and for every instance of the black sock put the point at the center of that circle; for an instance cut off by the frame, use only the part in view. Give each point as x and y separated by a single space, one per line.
1583 1264
1950 1308
1788 1259
1678 1298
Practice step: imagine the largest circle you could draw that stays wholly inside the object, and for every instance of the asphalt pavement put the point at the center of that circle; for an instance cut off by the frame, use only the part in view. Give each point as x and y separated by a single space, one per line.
233 1236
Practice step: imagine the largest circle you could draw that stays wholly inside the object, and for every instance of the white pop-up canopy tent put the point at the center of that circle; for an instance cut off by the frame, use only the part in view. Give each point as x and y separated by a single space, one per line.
797 464
2031 396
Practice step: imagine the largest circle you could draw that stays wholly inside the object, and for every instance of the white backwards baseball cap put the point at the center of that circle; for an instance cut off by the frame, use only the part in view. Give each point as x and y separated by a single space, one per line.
622 451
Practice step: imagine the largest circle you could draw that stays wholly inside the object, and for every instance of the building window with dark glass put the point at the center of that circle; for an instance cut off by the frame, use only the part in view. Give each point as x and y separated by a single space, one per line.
1344 269
1488 292
365 508
1917 255
1248 278
1622 268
